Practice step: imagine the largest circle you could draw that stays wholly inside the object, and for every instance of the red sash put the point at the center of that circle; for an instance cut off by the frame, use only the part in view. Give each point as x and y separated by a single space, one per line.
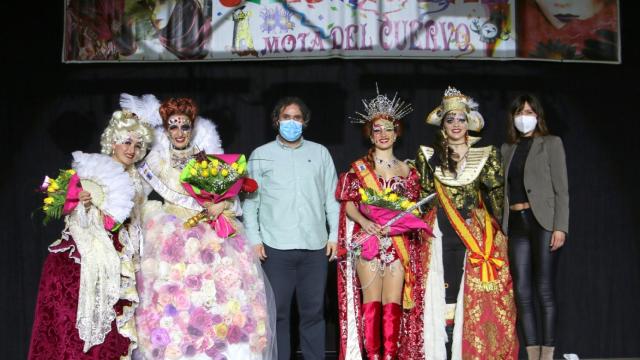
479 255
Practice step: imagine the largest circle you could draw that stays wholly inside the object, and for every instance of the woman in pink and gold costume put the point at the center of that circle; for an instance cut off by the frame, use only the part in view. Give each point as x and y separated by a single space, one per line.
87 295
202 295
385 275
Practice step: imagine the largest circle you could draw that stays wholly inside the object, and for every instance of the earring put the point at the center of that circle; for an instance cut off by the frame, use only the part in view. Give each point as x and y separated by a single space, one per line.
466 139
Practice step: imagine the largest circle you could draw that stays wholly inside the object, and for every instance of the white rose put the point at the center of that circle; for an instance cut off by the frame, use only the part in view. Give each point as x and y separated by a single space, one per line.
198 298
192 247
226 261
194 269
149 266
164 268
166 322
209 287
176 336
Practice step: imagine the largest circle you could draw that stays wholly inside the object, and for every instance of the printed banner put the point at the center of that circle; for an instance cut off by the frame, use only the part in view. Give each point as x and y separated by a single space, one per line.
224 30
578 30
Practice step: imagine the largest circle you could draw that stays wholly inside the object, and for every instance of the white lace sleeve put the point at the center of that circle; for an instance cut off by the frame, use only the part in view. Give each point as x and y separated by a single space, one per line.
99 276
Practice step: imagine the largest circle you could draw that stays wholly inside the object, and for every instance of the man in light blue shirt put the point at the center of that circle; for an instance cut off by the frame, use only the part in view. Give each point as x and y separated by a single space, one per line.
286 220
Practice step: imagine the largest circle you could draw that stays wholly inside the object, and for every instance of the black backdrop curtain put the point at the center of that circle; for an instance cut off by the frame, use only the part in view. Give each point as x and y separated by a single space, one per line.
50 109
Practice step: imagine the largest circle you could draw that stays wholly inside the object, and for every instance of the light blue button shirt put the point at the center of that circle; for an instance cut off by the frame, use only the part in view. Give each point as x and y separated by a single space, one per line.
295 199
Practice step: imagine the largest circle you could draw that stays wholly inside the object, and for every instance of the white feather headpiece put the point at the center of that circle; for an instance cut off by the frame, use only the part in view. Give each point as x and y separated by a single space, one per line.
146 107
205 136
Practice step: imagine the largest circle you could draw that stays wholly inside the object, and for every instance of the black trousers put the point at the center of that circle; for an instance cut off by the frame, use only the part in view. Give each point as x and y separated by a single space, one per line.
305 273
533 272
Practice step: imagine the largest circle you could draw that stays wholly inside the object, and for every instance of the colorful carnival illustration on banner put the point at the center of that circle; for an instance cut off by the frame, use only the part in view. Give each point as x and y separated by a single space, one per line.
223 30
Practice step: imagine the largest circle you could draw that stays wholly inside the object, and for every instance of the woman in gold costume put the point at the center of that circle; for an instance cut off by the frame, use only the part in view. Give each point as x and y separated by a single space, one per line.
467 308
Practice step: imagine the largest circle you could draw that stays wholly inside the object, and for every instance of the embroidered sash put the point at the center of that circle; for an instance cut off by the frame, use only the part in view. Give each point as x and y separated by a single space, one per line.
172 196
367 177
479 255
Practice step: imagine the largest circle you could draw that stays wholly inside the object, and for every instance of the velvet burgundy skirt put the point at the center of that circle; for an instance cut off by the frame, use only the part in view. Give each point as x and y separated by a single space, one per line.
54 334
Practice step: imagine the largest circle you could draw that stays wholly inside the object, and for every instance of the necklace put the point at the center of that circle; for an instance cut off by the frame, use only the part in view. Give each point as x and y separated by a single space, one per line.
388 163
180 158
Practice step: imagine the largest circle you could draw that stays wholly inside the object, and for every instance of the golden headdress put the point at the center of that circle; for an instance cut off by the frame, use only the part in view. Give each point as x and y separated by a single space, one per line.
455 100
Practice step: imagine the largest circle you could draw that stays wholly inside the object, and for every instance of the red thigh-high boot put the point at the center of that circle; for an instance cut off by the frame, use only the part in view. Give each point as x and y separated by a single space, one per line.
371 317
391 315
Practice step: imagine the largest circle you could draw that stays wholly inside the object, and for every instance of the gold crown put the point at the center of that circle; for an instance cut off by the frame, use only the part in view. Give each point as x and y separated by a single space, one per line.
453 99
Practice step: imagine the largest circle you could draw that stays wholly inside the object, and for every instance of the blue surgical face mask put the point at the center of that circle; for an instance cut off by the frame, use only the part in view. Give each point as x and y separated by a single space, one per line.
290 130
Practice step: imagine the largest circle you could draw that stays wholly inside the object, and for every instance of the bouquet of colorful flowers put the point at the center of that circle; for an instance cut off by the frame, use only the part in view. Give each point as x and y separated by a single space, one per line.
56 203
389 210
387 199
110 187
214 178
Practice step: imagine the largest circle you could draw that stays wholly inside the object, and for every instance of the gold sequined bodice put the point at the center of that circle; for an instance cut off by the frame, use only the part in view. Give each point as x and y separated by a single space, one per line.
482 174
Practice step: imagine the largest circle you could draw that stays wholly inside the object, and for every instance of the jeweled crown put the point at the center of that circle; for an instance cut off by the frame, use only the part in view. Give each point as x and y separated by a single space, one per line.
451 91
381 105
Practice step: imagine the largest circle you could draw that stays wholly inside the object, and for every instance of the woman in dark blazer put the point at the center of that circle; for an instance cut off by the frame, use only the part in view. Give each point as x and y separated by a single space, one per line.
535 218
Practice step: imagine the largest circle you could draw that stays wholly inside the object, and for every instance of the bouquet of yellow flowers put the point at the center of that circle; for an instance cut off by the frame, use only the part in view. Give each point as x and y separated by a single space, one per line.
56 201
214 178
387 199
386 209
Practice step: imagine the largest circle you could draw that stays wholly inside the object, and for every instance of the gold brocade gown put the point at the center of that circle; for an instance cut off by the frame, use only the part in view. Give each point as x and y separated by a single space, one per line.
451 290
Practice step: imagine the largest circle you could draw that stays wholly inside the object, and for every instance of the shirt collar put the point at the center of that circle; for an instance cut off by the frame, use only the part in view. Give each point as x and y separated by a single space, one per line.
282 145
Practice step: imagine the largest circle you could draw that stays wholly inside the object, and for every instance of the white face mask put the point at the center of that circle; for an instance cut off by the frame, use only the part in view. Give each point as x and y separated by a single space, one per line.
525 123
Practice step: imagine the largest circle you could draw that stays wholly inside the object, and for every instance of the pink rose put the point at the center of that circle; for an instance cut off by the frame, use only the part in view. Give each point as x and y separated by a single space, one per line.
172 250
208 274
236 335
250 325
237 243
160 337
164 299
148 319
200 319
207 256
175 275
239 320
170 288
193 282
261 344
259 310
189 350
182 302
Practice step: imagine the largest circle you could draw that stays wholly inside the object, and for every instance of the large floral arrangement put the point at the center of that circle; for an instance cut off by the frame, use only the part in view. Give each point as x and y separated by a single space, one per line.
56 194
209 294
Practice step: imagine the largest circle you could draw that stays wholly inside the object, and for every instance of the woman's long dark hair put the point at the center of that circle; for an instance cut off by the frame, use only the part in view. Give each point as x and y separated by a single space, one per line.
443 153
513 135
